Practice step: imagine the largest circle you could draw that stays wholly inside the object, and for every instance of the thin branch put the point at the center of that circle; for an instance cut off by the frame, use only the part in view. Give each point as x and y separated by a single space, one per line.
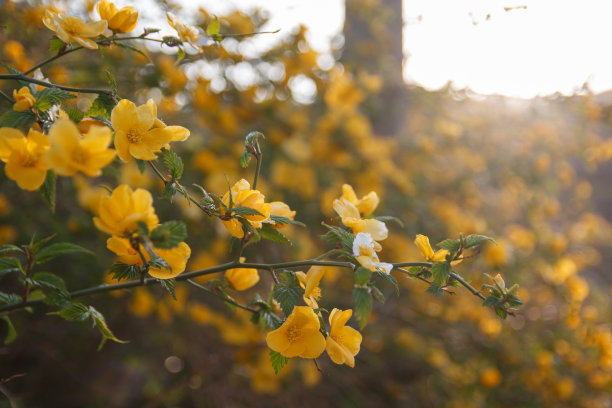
466 285
8 98
230 301
21 77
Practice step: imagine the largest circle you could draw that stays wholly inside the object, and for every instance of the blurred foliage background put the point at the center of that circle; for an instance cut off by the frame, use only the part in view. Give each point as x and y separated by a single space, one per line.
534 174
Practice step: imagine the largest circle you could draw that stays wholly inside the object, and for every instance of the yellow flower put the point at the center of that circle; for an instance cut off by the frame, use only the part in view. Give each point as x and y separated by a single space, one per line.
366 205
71 153
364 250
120 213
351 218
138 132
242 278
176 257
120 20
422 242
299 336
243 196
185 33
310 283
280 209
24 157
343 341
23 99
70 28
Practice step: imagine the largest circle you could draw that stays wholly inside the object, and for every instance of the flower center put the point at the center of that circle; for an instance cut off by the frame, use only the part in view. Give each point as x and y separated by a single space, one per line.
135 136
293 334
29 160
337 339
366 250
71 25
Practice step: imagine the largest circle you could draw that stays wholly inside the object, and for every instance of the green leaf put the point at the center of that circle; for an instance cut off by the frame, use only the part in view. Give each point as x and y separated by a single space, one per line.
272 234
270 319
390 279
174 163
435 289
181 54
122 271
141 165
473 240
9 265
514 301
245 211
451 245
441 271
16 119
100 323
49 97
169 191
336 235
132 48
48 189
76 312
169 285
284 220
56 44
363 305
502 313
111 82
101 106
362 275
159 263
11 333
169 234
8 248
171 41
213 28
148 31
387 218
245 159
13 71
60 248
252 137
76 115
378 295
278 360
48 280
35 245
288 294
491 301
9 298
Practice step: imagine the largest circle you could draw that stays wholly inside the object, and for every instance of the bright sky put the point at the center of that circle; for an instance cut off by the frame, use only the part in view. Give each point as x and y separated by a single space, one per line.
550 46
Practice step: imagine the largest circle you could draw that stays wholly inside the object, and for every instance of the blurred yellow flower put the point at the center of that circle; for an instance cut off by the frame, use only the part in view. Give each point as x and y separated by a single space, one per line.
120 213
280 209
422 242
343 342
299 335
310 283
243 196
120 20
70 28
242 278
364 250
24 100
490 377
176 257
71 153
138 132
351 218
185 33
24 157
366 205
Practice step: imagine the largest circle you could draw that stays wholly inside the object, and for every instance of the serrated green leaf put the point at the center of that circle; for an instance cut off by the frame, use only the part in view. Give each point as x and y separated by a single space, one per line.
473 240
169 285
336 235
9 298
272 234
252 137
159 263
387 218
390 279
76 115
48 280
435 289
378 295
491 301
362 275
60 248
169 191
245 211
288 295
284 220
76 312
122 271
9 265
8 248
451 245
270 319
102 106
49 97
278 360
56 44
363 305
245 159
48 189
173 163
441 271
14 119
169 234
11 333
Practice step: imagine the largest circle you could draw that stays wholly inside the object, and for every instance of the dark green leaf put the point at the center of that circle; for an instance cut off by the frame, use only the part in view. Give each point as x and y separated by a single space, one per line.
169 234
60 248
102 106
451 245
35 244
11 333
441 271
272 234
362 275
245 211
363 305
141 165
76 312
9 298
514 301
48 189
278 360
9 265
390 279
491 301
48 280
270 319
76 115
13 71
501 312
284 220
48 97
159 263
378 295
336 235
288 295
169 285
474 240
8 248
122 271
16 119
169 191
173 163
252 137
435 289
